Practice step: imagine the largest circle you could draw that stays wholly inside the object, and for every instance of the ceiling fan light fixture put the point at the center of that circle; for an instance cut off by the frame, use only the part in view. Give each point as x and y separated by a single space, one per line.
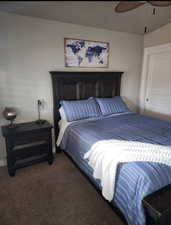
145 30
154 11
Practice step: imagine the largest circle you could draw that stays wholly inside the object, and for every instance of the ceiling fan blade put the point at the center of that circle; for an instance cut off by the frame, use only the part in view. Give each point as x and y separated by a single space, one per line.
127 5
160 3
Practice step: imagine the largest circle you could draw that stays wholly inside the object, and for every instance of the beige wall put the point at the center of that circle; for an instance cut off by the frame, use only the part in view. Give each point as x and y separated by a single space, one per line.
158 37
31 47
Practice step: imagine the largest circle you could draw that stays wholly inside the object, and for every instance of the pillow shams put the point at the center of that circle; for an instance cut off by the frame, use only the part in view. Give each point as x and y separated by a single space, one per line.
112 105
80 109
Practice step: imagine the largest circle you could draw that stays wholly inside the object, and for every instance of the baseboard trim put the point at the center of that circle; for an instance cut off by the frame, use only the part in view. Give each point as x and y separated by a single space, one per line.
3 162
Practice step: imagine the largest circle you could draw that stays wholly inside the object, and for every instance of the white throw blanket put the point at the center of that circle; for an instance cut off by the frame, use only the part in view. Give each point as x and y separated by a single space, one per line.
104 157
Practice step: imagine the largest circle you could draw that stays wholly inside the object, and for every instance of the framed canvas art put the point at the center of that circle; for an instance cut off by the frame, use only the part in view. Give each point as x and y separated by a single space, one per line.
85 53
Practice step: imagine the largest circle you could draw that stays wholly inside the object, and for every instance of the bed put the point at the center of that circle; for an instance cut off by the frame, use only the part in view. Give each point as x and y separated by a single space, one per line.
128 126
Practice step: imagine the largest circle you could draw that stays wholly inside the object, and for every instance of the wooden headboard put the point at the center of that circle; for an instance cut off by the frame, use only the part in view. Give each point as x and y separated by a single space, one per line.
82 85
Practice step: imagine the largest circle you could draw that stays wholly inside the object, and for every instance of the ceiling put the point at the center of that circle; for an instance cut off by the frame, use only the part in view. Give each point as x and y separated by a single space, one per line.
99 14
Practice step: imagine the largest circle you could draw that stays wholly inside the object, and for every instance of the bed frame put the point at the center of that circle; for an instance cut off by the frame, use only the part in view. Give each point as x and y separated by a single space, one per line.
82 85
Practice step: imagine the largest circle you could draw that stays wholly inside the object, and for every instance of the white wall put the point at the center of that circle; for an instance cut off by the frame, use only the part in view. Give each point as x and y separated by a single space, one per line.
31 47
158 37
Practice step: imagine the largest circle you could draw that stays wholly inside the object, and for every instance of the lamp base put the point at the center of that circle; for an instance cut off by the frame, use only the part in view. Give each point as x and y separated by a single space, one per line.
11 126
40 122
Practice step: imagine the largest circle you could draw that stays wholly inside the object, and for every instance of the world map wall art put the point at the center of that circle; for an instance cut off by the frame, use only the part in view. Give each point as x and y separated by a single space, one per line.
84 53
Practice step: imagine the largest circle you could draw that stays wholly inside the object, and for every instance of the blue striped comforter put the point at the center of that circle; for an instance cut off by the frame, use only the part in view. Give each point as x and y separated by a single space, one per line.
135 180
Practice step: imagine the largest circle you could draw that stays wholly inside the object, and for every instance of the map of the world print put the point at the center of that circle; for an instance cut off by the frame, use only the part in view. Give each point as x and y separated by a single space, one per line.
83 53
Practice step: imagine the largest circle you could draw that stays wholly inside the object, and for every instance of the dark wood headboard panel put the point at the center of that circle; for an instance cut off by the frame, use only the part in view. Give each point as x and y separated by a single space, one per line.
82 85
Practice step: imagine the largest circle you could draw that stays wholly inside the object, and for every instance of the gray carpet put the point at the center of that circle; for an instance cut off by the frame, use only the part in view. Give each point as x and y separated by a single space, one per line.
52 195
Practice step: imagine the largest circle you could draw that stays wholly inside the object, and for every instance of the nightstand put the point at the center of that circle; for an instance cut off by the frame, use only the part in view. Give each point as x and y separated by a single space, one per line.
27 143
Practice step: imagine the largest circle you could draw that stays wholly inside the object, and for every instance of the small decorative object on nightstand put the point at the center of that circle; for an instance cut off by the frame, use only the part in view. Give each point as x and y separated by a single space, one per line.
10 114
27 143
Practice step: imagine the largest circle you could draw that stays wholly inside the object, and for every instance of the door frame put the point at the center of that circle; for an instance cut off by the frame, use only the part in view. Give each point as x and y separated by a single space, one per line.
145 70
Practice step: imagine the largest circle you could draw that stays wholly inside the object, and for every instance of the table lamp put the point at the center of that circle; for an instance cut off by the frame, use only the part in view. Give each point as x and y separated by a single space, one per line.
39 105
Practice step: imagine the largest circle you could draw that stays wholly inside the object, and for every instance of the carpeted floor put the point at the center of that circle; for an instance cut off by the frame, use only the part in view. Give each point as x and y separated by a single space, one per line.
52 195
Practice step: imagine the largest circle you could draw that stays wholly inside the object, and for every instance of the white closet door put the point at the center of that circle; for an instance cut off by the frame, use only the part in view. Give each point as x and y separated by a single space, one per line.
158 92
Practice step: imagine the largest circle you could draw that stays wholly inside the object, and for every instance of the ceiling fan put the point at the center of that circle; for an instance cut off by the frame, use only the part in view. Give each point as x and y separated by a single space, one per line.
129 5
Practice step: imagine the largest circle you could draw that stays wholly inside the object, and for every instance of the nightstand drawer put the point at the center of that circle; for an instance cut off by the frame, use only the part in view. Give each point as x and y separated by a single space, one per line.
32 150
26 138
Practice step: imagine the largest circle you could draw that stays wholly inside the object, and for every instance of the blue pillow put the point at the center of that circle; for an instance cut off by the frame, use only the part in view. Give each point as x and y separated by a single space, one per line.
81 109
112 105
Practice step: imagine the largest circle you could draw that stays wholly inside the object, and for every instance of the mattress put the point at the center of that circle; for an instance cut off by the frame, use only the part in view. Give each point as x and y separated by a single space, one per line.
134 180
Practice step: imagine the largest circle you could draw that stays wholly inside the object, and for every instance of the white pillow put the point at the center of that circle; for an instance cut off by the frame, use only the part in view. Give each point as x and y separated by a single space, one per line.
62 113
